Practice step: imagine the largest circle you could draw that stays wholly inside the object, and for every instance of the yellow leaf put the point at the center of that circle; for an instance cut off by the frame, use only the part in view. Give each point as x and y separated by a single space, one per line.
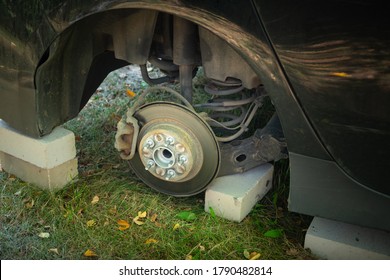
95 199
130 93
30 204
151 240
91 223
90 253
176 226
54 250
189 257
123 225
254 256
142 214
44 235
137 221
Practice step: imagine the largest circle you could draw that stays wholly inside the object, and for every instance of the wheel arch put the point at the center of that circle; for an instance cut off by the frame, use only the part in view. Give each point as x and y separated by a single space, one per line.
67 100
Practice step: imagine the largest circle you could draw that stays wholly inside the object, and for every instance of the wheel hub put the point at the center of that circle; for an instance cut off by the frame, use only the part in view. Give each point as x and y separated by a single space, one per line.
169 151
177 152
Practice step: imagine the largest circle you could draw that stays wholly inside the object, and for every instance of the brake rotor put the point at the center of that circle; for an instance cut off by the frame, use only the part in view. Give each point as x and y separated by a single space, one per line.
177 152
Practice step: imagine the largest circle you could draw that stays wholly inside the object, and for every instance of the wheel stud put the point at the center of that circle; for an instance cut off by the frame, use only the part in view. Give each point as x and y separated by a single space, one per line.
149 143
182 159
170 140
170 174
149 165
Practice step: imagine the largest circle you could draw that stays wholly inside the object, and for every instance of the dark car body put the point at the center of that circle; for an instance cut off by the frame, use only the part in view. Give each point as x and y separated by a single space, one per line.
325 65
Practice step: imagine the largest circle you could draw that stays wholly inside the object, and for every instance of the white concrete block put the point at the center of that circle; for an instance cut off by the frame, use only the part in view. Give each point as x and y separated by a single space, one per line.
328 239
47 152
233 196
47 178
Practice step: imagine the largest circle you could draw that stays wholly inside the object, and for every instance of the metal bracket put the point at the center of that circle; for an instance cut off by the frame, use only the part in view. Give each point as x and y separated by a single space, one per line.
266 145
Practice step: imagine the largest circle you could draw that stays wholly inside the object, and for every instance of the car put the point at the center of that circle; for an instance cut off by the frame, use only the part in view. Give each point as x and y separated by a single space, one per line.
325 66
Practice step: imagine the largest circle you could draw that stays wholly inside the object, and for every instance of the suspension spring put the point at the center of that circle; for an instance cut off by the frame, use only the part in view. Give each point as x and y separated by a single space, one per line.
231 109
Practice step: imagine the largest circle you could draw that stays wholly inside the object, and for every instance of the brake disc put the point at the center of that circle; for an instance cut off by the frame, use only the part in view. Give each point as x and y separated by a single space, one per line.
177 152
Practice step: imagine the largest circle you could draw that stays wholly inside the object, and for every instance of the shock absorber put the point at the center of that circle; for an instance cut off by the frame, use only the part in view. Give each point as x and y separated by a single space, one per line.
231 108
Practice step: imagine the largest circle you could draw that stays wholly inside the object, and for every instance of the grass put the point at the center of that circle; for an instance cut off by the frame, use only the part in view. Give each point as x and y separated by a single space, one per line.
77 222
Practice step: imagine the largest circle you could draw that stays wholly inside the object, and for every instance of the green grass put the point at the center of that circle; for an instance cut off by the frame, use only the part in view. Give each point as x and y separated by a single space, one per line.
76 225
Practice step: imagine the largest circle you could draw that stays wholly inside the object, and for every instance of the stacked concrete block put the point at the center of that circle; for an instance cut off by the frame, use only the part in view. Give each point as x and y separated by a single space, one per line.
49 162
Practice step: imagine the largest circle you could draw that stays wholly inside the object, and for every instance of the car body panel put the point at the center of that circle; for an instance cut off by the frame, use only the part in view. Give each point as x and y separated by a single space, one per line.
338 63
331 91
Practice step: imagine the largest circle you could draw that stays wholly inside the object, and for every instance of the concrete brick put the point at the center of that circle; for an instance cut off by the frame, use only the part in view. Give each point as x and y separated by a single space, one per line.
47 178
335 240
233 196
47 152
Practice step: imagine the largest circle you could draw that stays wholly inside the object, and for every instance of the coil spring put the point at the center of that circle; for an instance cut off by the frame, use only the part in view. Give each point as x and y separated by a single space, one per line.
226 111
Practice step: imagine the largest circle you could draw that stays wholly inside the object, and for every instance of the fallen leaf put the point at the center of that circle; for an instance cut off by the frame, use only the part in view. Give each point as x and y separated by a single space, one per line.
292 252
151 240
19 192
90 253
91 223
137 221
30 204
123 225
54 250
153 218
189 257
273 233
141 214
130 93
176 226
186 216
202 248
254 256
95 199
247 254
80 212
44 235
